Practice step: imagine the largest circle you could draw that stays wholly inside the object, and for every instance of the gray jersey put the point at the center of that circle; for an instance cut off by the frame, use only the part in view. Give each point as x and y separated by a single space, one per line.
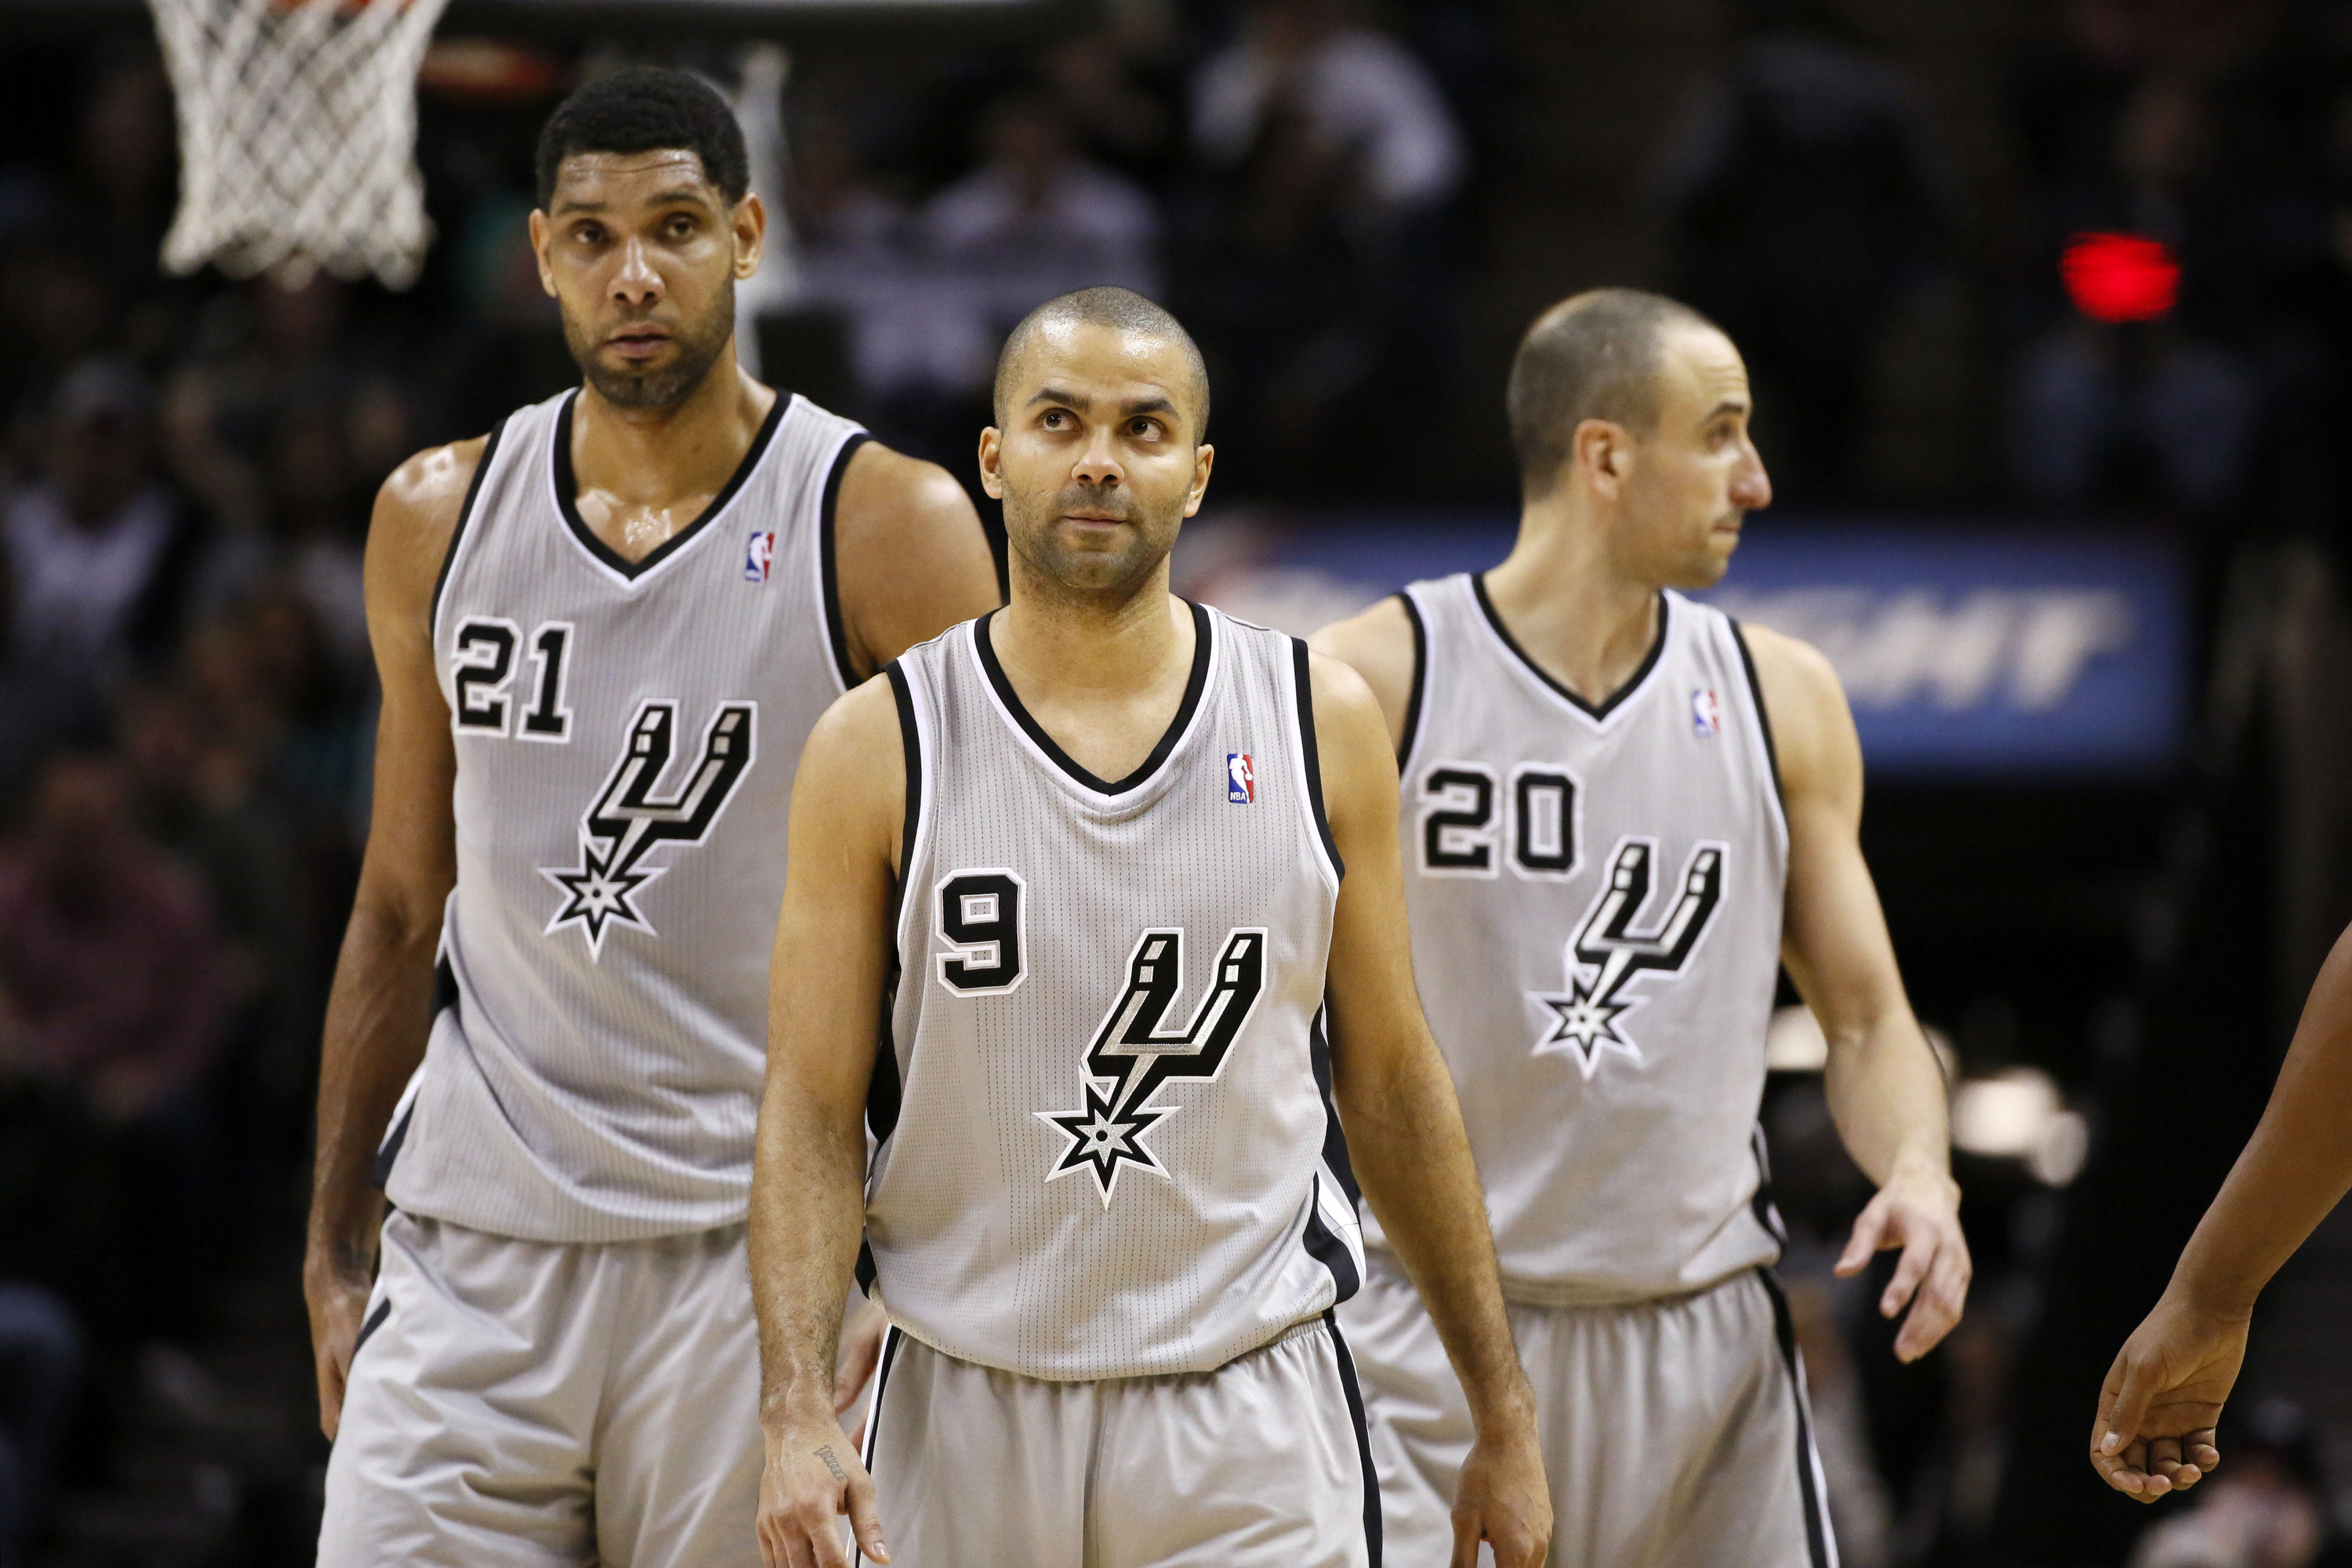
626 735
1107 1147
1596 898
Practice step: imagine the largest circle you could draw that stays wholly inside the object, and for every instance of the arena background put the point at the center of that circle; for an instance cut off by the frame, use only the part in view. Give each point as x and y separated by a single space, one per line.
2049 308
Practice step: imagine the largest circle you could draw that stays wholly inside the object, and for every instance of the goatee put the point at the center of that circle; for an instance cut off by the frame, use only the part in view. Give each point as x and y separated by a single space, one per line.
698 344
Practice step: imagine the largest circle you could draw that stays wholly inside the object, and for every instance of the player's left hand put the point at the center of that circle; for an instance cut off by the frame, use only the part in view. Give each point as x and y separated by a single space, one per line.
2163 1397
1921 1214
1503 1498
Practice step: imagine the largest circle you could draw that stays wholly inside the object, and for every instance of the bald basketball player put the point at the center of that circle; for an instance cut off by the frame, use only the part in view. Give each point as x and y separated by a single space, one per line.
2162 1399
603 631
1119 876
1622 812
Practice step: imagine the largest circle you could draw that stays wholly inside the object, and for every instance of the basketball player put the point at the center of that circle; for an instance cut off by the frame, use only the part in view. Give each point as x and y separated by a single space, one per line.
2163 1397
1622 812
604 631
1084 856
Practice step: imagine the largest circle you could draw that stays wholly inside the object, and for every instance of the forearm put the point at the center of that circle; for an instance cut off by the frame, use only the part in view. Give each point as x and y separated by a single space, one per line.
2295 1168
1413 1161
1886 1095
807 1217
378 1014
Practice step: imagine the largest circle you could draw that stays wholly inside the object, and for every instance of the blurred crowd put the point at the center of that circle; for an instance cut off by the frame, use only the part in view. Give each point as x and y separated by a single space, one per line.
186 467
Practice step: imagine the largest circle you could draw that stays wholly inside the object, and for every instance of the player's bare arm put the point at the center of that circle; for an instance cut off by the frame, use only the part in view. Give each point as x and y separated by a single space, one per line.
380 1008
1885 1088
909 555
1378 645
807 1192
1405 1130
2163 1397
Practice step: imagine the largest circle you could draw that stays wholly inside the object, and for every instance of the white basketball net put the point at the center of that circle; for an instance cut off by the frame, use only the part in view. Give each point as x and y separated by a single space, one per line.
297 123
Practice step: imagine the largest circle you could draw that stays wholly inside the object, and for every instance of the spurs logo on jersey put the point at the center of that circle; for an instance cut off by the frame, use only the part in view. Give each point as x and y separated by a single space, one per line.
1585 1021
1131 1056
628 819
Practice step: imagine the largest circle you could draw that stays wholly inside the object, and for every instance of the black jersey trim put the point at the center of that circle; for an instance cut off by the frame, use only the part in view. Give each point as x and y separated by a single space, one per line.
893 1336
458 535
884 1092
1816 1506
374 1321
567 496
1335 1138
388 1152
1763 714
1203 651
1419 679
837 625
1363 1440
1309 757
1616 699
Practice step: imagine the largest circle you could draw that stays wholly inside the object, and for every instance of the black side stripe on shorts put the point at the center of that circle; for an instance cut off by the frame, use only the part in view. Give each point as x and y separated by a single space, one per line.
1819 1542
892 1338
374 1321
1363 1440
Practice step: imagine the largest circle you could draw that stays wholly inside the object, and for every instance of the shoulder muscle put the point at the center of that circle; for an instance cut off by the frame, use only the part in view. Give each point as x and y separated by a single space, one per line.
1378 644
1355 750
909 553
850 795
1813 728
415 516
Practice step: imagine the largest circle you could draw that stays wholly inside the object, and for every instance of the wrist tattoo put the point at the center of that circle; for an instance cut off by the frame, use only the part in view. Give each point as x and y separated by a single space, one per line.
833 1464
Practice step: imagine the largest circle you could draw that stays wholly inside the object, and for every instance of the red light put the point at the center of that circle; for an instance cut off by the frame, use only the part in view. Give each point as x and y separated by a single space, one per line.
2120 277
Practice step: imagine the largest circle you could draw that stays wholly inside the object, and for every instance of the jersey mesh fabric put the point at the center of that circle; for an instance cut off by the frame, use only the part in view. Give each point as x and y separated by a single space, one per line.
990 1244
1611 1107
594 1067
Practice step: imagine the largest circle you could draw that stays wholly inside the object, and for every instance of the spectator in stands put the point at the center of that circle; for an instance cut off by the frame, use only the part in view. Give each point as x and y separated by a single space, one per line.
108 955
98 555
1036 220
1360 95
40 1369
2139 126
1316 247
1807 202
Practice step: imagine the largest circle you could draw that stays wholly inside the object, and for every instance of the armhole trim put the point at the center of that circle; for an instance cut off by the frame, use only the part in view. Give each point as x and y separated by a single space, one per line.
458 535
836 627
1763 714
1310 759
911 737
1419 679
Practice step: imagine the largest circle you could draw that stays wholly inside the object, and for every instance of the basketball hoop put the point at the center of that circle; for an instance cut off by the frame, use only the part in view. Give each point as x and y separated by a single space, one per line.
298 124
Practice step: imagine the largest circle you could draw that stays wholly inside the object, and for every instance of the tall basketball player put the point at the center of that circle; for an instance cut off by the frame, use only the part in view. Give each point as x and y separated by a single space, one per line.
1622 812
1084 858
604 631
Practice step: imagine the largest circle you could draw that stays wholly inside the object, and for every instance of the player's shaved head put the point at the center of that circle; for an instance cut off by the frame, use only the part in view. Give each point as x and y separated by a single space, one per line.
1120 311
1594 355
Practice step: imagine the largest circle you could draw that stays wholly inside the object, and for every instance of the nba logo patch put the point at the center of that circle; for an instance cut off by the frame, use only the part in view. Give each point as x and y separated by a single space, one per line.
1706 714
1240 778
758 554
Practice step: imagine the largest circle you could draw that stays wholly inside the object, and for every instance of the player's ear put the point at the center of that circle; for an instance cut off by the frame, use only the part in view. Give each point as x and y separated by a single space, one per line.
991 478
750 222
1603 451
539 233
1204 458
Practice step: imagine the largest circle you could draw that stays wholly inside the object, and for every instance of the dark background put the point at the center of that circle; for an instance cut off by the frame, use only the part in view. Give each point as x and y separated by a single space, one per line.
1870 196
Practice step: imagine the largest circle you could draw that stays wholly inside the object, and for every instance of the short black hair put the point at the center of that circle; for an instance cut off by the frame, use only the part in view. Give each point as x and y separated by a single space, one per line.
647 109
1121 310
1592 356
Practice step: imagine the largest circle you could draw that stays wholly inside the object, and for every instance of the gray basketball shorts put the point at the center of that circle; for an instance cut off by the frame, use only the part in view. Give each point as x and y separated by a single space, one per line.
1260 1463
523 1402
1675 1432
